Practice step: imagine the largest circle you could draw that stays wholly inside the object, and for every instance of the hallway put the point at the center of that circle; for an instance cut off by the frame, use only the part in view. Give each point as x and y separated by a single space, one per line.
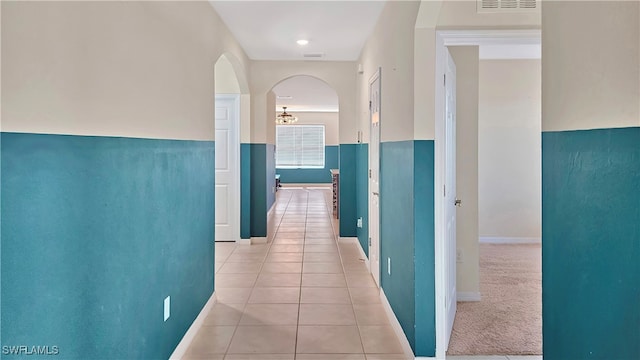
301 296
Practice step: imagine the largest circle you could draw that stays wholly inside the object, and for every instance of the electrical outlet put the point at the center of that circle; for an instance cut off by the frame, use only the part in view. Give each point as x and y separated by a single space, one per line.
389 266
359 222
167 307
458 255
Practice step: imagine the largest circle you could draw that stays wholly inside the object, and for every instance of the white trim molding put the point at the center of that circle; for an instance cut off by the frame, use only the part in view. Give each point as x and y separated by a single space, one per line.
395 324
305 185
468 296
490 37
443 39
252 241
181 350
510 240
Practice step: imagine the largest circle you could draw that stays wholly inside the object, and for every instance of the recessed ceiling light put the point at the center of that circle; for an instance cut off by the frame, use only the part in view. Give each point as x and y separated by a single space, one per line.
302 42
284 97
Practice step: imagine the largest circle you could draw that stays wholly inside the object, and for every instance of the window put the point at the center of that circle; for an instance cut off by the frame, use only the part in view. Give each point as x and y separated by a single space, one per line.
300 146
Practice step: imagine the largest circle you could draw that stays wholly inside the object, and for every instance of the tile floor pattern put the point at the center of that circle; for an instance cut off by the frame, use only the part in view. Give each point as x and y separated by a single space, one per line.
304 295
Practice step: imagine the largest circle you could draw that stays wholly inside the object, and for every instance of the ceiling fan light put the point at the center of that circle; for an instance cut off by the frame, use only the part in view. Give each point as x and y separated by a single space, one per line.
285 118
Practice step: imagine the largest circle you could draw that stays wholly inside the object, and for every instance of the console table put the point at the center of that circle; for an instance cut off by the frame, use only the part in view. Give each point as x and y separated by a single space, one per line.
335 180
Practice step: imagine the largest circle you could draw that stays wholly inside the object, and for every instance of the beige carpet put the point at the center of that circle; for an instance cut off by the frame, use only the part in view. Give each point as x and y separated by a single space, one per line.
508 320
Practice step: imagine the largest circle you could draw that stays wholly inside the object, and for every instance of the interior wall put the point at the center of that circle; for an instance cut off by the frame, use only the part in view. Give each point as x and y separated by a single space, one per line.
435 15
509 149
226 81
611 64
590 177
93 89
395 57
390 48
467 71
107 107
340 75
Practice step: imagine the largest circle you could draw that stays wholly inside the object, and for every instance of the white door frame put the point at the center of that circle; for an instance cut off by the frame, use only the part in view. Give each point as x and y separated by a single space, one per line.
446 38
375 270
234 147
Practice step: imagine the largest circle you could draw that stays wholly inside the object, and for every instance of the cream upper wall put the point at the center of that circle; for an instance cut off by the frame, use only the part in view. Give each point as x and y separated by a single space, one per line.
135 69
425 84
510 149
437 15
328 119
225 77
468 271
590 65
270 113
340 75
391 47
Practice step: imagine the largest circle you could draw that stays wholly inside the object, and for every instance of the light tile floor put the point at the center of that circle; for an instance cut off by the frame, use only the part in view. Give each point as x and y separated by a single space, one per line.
305 295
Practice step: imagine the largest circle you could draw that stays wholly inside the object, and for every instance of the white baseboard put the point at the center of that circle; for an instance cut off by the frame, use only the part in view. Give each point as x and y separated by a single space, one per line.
425 358
468 296
252 241
510 240
306 185
395 324
181 350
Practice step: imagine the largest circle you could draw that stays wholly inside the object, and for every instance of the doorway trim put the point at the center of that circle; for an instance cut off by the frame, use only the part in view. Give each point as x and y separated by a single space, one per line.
374 266
445 38
233 146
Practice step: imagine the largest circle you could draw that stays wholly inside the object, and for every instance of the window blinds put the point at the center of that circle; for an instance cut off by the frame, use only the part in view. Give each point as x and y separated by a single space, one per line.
300 146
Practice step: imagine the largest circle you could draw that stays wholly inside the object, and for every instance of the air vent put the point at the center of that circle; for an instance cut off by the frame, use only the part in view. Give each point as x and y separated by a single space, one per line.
313 55
492 6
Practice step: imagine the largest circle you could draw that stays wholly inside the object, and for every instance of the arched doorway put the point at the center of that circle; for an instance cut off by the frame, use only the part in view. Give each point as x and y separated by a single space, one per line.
307 149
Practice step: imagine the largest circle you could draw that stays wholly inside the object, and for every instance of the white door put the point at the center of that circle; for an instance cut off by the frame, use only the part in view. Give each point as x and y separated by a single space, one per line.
450 195
374 177
227 168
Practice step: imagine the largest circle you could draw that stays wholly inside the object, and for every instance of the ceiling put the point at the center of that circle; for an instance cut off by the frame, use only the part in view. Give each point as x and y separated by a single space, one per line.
337 30
307 94
268 30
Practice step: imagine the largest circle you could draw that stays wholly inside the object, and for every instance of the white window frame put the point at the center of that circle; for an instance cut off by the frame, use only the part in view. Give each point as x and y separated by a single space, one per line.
324 143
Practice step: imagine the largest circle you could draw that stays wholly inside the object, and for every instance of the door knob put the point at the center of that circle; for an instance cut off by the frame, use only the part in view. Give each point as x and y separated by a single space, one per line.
458 202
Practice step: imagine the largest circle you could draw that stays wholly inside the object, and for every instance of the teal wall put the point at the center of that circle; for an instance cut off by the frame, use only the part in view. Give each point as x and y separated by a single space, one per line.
312 176
591 244
397 231
271 176
96 232
245 191
348 217
424 243
362 195
258 193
